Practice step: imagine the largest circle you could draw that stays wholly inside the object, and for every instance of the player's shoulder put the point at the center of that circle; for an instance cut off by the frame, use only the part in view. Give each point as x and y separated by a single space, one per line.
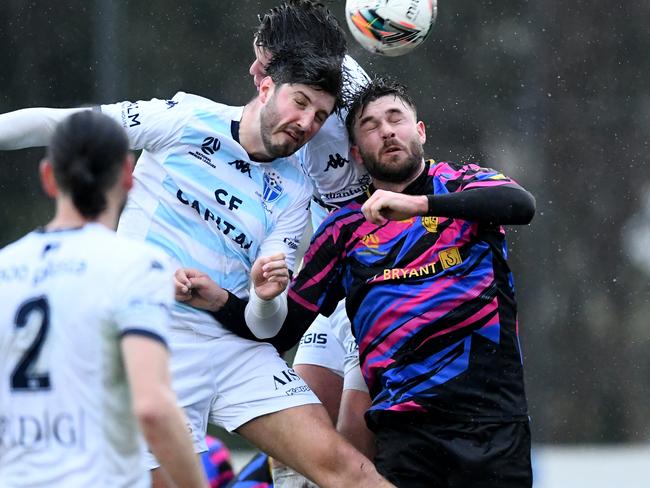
198 102
447 169
123 251
10 253
451 169
346 216
291 172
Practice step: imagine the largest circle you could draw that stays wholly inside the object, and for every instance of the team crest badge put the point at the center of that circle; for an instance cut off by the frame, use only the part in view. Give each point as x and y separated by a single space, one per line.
370 240
272 187
430 223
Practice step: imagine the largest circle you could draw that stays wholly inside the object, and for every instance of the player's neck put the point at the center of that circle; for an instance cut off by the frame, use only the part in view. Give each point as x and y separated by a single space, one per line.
250 136
68 217
399 186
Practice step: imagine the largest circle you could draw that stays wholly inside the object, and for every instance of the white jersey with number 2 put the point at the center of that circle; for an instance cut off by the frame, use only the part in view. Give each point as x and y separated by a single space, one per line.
67 298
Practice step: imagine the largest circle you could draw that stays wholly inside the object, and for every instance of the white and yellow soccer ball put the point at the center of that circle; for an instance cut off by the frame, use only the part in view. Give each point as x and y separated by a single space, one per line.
390 27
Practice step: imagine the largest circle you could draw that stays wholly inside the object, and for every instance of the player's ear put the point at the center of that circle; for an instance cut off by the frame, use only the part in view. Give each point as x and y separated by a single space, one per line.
48 182
267 85
356 154
422 132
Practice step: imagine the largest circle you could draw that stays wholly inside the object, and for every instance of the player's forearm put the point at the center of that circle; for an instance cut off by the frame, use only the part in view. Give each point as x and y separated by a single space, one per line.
499 205
232 316
265 317
31 127
164 427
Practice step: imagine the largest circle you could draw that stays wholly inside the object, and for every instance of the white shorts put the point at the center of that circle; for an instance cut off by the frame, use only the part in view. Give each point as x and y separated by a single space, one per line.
329 343
228 381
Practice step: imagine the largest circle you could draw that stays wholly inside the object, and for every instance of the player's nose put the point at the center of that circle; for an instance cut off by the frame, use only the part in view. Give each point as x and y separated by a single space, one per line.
386 130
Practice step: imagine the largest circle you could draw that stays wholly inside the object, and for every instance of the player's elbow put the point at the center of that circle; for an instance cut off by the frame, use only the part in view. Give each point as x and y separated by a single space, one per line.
154 408
520 206
527 208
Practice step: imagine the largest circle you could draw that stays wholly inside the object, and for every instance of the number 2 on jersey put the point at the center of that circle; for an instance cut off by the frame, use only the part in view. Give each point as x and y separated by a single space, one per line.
24 376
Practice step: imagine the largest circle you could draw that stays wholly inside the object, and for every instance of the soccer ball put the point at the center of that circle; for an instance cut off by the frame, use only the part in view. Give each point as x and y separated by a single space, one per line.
390 27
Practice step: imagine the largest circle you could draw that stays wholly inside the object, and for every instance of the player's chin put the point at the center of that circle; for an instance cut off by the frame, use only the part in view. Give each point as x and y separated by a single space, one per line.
282 149
394 158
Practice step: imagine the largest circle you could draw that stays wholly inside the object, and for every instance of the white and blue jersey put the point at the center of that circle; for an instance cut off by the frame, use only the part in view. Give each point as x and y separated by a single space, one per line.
68 297
200 197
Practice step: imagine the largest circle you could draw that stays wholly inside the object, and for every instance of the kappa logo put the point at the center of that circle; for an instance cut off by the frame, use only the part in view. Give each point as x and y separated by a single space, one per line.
292 242
50 246
272 187
242 166
335 161
210 145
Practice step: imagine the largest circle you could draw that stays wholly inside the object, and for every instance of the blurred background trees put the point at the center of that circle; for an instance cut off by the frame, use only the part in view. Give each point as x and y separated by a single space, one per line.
555 94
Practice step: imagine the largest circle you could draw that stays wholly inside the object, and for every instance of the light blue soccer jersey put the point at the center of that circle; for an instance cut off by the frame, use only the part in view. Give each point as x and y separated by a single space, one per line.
200 197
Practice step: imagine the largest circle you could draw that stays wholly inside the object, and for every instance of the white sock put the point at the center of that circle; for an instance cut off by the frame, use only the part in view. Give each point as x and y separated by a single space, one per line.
285 477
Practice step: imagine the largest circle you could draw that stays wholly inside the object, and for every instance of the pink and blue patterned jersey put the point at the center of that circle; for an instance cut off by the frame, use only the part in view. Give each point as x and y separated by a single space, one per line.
256 474
216 463
431 301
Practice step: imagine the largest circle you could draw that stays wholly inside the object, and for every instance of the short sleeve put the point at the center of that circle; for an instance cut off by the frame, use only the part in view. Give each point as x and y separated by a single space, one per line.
144 296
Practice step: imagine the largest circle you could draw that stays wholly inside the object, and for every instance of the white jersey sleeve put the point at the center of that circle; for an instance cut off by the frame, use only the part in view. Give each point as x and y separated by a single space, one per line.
151 124
144 296
31 127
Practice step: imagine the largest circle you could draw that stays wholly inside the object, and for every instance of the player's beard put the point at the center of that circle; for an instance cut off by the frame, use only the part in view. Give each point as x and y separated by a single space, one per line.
397 168
270 124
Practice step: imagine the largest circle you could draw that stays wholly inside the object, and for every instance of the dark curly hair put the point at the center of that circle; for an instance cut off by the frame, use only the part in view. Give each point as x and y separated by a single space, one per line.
306 24
378 87
302 66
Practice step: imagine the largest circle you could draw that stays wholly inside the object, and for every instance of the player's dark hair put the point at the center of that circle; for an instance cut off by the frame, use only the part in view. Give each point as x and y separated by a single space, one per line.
377 88
87 151
301 23
298 66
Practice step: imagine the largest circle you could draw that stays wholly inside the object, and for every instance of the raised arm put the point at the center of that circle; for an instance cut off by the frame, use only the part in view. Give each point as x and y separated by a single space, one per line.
31 127
499 205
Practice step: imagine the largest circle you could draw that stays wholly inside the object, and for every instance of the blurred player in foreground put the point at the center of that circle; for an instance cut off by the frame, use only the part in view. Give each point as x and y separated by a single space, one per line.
83 332
422 263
